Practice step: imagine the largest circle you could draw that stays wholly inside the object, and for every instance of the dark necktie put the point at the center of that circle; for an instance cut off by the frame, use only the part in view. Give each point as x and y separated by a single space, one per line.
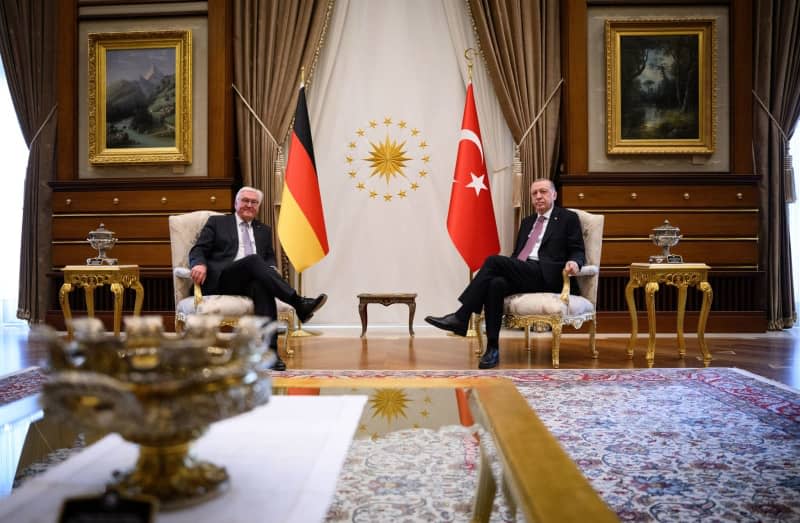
246 243
532 239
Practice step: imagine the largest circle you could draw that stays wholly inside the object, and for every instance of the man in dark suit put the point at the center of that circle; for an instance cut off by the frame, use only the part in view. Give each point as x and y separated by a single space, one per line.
233 255
548 242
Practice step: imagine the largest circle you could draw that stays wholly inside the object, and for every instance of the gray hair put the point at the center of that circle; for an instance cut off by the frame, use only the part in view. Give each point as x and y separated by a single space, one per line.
251 189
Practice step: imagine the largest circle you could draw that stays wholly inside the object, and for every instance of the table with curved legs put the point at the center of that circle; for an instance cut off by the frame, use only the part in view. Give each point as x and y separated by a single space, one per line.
682 276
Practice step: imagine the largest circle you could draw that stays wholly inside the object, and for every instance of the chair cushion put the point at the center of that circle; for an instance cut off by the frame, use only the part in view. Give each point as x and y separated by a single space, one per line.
540 303
217 304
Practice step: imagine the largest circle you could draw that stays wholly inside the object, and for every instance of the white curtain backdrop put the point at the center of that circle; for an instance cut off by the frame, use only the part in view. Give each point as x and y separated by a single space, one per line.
392 74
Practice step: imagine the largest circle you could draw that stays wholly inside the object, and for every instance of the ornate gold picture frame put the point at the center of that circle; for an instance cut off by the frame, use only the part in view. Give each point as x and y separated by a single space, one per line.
661 86
140 98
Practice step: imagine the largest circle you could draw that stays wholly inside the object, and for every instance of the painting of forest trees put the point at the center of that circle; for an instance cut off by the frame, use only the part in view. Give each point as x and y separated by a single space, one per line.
659 87
661 95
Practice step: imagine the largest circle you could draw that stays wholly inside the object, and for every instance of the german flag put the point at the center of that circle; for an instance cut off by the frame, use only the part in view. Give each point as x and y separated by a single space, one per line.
301 224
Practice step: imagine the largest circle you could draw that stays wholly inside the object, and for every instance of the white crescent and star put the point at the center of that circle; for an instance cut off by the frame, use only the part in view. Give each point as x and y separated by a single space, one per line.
477 181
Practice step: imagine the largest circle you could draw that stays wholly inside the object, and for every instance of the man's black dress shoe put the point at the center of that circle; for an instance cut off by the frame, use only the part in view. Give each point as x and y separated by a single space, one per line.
449 323
490 358
279 363
308 306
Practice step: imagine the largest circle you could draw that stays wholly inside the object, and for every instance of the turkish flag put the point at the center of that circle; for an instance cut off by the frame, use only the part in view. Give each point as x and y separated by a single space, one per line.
470 220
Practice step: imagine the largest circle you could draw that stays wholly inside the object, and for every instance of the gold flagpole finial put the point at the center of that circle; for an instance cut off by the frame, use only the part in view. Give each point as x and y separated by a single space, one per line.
303 75
468 54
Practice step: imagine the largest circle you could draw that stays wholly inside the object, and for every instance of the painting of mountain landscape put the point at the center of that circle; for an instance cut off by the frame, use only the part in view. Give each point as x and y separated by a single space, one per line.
140 98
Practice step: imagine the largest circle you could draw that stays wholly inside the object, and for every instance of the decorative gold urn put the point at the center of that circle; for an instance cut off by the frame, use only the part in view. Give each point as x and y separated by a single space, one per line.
161 392
666 236
103 240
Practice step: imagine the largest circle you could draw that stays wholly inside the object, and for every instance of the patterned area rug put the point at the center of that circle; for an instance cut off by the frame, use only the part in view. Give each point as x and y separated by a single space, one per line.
657 444
20 384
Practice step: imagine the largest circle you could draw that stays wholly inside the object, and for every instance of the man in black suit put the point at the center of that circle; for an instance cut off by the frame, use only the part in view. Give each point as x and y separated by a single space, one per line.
233 255
542 251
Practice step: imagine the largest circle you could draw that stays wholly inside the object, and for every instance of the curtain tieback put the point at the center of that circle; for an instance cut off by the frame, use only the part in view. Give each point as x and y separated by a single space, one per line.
41 127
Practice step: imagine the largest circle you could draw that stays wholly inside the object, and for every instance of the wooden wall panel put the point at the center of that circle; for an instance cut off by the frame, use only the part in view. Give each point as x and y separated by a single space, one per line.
125 226
143 254
692 223
725 253
635 196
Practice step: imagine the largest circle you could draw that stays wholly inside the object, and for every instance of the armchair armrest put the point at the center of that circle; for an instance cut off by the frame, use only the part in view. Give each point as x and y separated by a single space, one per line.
186 274
586 270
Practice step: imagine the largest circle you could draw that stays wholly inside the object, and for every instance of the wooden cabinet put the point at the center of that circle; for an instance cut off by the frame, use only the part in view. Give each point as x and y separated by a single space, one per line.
138 217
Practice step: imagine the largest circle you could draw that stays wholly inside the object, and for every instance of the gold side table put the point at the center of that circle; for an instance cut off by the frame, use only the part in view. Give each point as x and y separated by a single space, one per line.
682 276
117 277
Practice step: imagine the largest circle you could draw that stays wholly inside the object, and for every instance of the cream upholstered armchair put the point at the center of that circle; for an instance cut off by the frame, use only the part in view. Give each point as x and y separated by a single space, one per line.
544 309
183 232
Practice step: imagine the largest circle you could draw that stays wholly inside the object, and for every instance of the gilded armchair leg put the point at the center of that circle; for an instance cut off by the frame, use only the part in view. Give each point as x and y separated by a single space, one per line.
556 326
479 334
592 343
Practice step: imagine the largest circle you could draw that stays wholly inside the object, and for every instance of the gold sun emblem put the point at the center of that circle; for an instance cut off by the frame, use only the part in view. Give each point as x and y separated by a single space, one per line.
387 161
389 404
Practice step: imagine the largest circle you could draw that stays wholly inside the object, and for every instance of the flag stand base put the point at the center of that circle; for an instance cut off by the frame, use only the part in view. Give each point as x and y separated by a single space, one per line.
472 332
302 333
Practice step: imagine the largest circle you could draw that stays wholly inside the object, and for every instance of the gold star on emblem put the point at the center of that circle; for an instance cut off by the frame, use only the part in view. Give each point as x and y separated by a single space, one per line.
352 173
360 132
352 145
402 124
423 144
373 194
414 186
387 121
414 131
426 158
388 159
360 186
373 124
423 173
348 159
389 404
387 197
401 194
424 413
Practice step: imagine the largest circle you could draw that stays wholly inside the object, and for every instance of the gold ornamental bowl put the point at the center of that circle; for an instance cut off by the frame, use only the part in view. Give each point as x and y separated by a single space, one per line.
160 392
103 240
666 236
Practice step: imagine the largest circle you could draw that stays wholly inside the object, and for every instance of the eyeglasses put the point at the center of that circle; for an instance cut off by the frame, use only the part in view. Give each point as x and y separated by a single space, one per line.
248 201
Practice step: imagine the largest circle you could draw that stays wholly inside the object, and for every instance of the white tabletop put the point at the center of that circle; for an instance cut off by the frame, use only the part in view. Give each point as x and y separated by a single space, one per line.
283 460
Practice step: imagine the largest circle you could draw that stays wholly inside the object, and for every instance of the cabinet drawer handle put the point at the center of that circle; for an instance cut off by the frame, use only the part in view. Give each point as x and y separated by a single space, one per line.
686 196
581 196
115 201
68 201
634 196
739 196
213 199
163 200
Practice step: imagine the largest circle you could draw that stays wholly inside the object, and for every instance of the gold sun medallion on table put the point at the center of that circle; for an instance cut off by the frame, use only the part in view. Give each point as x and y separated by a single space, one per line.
387 160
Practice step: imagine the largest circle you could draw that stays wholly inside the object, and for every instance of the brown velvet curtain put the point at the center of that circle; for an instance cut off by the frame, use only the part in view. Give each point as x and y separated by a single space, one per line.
777 85
27 47
273 40
520 40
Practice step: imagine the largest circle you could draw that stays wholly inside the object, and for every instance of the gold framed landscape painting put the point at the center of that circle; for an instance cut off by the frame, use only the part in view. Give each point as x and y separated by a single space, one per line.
660 86
140 97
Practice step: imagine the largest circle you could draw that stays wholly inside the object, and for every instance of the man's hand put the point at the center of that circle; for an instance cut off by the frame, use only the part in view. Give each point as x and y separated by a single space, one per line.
199 274
572 268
